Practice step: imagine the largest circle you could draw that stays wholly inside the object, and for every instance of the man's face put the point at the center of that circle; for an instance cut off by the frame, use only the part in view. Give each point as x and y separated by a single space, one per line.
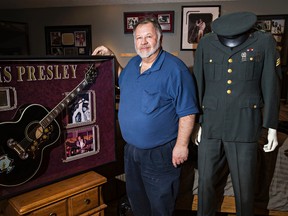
146 40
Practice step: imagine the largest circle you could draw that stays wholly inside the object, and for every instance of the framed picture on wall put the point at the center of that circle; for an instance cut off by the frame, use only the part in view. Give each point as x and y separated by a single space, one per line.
165 18
68 40
14 38
196 21
81 142
277 25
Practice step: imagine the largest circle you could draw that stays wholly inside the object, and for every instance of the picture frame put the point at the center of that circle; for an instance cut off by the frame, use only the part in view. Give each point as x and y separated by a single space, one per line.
64 75
82 110
8 98
76 149
277 25
165 18
68 40
195 22
14 38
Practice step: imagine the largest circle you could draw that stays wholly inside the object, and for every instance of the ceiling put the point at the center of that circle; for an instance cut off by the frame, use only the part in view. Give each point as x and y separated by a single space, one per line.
19 4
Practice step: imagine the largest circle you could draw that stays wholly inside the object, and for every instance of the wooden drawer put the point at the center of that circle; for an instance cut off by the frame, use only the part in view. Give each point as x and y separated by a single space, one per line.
57 209
79 195
98 214
83 202
94 212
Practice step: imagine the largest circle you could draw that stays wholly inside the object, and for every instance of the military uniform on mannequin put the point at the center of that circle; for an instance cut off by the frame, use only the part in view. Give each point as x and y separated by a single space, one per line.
236 70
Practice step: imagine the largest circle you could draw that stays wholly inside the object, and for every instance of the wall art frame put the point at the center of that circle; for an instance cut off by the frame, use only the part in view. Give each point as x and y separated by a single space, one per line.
72 40
14 38
55 78
195 22
277 25
165 18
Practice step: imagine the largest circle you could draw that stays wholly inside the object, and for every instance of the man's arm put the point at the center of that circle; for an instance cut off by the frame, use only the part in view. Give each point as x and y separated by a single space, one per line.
180 151
104 51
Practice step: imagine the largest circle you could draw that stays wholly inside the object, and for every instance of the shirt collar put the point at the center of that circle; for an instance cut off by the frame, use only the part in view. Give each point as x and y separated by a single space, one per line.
158 61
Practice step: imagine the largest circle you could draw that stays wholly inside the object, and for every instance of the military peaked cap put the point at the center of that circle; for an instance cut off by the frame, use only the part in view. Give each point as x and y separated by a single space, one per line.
234 23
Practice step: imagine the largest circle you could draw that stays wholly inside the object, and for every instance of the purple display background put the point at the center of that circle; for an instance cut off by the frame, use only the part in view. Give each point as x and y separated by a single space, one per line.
49 93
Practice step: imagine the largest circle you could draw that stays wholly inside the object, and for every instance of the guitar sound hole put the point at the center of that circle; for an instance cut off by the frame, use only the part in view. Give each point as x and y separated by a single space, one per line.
33 131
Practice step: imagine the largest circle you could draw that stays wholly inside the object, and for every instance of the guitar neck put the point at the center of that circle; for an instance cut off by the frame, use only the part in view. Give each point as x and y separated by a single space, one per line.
62 105
90 76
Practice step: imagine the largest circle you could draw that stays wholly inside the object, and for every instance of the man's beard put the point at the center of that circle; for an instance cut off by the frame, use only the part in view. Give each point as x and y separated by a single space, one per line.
151 52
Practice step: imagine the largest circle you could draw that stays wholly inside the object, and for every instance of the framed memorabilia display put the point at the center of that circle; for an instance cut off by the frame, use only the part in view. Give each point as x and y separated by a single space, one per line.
165 18
196 21
58 115
68 40
277 25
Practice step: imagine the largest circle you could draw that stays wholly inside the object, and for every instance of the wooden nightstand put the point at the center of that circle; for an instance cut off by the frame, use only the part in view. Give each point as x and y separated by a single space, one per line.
80 195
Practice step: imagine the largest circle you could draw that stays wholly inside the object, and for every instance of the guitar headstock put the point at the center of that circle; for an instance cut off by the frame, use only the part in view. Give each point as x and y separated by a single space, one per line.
91 74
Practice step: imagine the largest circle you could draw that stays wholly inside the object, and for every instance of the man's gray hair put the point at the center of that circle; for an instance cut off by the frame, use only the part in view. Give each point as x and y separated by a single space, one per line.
149 19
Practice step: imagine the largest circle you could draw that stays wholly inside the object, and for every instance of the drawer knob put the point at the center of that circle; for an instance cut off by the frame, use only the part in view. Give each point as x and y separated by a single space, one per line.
87 201
53 214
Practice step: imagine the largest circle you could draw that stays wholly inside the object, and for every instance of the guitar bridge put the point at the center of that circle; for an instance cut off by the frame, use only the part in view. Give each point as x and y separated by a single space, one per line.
11 143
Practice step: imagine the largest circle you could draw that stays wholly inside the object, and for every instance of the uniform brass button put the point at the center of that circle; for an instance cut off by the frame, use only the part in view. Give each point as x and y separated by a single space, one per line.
230 60
251 58
229 70
203 107
210 60
229 81
229 91
254 106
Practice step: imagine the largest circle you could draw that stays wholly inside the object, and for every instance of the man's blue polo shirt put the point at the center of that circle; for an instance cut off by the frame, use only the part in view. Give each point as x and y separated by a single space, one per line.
151 103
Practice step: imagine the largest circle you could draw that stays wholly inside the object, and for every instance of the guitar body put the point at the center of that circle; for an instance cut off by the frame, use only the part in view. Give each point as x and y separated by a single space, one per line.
22 145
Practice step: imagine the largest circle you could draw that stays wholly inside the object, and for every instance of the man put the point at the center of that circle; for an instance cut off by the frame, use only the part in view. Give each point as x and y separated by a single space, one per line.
237 74
156 115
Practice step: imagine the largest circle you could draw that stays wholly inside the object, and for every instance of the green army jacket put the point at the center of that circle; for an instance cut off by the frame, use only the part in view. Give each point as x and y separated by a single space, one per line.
238 88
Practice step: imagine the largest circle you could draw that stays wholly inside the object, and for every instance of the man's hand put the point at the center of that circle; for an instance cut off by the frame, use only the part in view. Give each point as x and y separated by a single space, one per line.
102 50
179 155
180 151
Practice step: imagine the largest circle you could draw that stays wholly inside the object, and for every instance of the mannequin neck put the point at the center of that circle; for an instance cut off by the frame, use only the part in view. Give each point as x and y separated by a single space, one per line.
233 41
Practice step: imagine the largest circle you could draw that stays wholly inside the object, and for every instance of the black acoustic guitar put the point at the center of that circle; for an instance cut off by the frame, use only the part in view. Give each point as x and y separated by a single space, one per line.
23 141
